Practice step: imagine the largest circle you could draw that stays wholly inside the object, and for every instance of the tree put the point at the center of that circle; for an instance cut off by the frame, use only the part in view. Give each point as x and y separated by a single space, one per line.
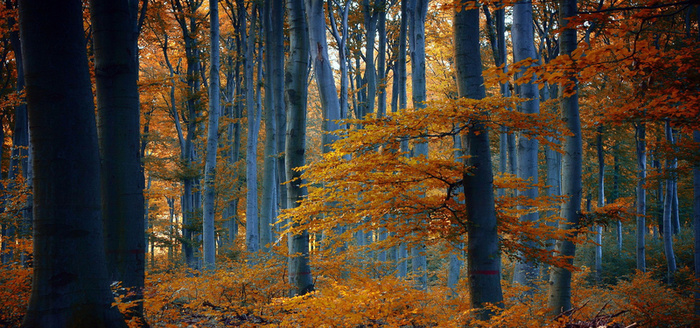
640 136
559 296
299 271
70 285
115 28
209 242
483 257
524 49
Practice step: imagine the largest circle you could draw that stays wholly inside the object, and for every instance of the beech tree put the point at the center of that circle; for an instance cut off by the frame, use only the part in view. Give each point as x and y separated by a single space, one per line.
115 28
209 242
70 284
483 258
559 296
295 76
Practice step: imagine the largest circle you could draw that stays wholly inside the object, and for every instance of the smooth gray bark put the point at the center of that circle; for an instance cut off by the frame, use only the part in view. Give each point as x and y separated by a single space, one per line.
208 228
189 26
252 222
668 208
400 82
417 11
525 271
70 286
483 255
641 211
601 203
559 296
325 80
295 77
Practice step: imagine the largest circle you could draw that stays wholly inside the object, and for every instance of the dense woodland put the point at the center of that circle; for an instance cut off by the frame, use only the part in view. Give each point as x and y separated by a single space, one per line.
374 163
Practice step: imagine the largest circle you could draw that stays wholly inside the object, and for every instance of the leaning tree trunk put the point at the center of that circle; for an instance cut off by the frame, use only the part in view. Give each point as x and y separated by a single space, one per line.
559 298
208 210
295 75
70 286
483 256
523 48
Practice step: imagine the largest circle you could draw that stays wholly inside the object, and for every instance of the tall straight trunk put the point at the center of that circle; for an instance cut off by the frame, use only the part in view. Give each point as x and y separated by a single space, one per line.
601 203
400 80
252 223
640 134
370 87
70 285
208 230
483 256
525 271
696 227
295 76
381 58
616 192
559 298
417 11
274 95
455 260
115 34
668 208
189 27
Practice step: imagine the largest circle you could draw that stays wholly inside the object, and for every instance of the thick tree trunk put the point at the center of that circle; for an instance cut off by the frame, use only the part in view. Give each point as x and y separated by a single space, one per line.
525 271
483 256
640 134
295 77
115 34
559 298
208 211
70 286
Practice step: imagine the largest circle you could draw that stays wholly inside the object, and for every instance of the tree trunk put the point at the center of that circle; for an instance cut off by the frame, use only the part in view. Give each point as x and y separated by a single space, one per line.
190 198
295 77
483 256
70 286
525 271
400 82
696 226
208 229
559 298
668 208
252 224
601 203
115 35
640 134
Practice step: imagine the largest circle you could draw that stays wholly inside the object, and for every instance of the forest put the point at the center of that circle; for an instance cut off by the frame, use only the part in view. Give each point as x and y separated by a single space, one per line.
337 163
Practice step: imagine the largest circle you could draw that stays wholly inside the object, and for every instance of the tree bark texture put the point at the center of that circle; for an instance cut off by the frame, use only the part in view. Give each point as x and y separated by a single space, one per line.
483 256
295 77
209 206
559 297
525 271
70 283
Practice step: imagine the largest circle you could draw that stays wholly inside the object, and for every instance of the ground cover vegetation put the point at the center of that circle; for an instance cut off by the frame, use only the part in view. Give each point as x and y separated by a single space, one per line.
191 163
